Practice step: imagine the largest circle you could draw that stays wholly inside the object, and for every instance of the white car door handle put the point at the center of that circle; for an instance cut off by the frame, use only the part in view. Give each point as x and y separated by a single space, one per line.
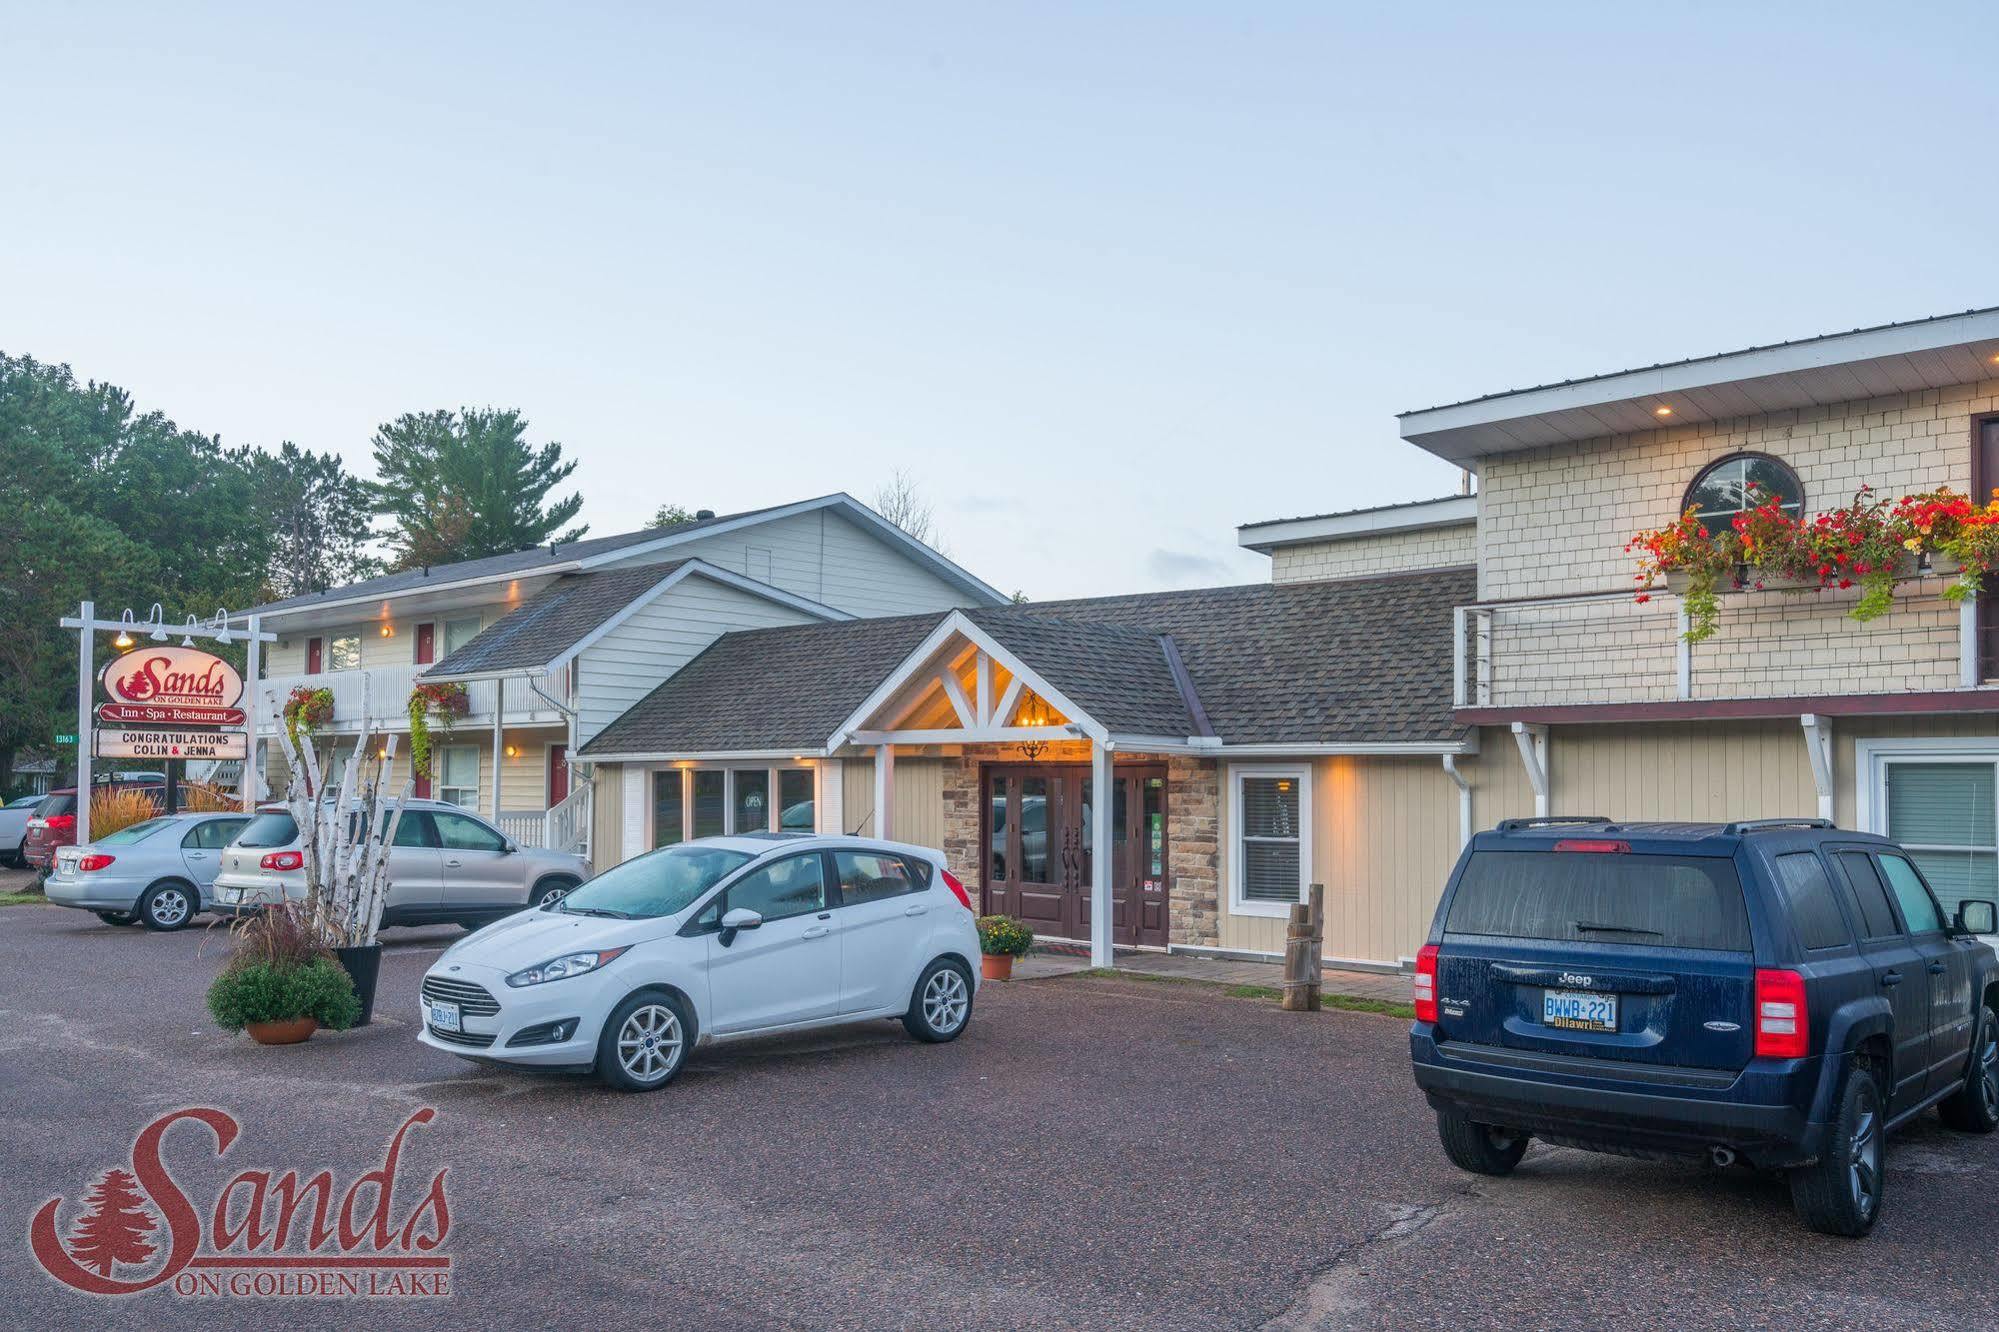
817 932
915 910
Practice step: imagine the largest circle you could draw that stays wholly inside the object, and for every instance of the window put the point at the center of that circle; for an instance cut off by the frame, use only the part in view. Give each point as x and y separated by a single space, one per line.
1742 481
414 829
1602 898
1876 916
458 832
213 834
709 803
996 825
792 887
1272 841
1945 813
1813 908
668 828
459 632
1918 910
796 812
752 801
343 652
661 883
870 877
131 832
273 829
458 775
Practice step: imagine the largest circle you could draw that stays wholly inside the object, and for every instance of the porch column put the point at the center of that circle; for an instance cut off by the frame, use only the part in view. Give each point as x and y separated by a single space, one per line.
1533 743
1103 797
884 790
499 739
253 691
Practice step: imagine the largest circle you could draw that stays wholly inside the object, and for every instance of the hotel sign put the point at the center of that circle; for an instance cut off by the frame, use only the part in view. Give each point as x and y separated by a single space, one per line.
170 677
182 743
167 714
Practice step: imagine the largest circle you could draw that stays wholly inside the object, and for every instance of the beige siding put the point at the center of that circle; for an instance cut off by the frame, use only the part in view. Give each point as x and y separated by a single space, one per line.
919 800
287 655
1385 552
607 838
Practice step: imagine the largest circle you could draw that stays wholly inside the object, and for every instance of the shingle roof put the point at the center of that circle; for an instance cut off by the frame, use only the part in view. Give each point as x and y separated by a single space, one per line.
1351 661
552 621
766 689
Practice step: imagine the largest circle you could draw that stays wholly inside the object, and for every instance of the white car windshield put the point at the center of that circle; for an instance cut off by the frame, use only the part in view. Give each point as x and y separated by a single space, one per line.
658 884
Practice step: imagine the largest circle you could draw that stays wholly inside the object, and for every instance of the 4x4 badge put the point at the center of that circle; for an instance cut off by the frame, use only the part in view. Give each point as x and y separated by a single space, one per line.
1722 1026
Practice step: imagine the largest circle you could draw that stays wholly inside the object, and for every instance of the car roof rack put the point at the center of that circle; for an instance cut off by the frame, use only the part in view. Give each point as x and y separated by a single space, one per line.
1549 821
1765 825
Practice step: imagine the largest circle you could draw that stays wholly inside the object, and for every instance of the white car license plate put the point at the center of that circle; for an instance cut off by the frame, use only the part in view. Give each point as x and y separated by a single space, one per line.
444 1016
1574 1010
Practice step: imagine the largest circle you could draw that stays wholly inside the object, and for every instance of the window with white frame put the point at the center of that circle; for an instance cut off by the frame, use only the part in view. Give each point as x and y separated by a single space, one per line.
700 801
1270 838
458 775
343 652
459 631
1940 799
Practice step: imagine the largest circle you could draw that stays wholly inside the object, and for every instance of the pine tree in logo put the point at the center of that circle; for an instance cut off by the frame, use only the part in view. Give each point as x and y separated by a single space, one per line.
115 1227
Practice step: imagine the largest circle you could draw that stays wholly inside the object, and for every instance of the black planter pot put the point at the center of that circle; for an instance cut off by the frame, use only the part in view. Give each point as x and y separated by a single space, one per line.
363 963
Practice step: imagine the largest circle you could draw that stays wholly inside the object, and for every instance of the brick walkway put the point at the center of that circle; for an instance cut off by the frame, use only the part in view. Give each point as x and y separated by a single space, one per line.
1058 960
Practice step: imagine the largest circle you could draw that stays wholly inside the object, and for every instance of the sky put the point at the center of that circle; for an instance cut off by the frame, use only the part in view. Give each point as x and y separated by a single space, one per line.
1106 280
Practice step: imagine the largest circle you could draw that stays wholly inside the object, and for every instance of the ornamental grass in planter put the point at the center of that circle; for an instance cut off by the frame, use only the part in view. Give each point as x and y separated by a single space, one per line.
280 984
1001 940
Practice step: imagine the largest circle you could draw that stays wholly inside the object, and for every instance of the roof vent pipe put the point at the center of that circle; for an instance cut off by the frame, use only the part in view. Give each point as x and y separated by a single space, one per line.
702 515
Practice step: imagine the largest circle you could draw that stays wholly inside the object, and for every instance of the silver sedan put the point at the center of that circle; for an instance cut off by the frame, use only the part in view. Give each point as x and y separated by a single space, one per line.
158 873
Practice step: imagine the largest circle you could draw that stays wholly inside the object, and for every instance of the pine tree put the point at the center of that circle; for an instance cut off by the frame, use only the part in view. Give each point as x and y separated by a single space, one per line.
461 485
115 1227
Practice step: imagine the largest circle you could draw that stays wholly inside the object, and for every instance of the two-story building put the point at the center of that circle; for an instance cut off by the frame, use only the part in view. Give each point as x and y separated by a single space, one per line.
550 644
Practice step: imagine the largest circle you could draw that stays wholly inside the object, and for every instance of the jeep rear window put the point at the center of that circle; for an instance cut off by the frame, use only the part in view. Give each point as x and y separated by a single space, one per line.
1602 898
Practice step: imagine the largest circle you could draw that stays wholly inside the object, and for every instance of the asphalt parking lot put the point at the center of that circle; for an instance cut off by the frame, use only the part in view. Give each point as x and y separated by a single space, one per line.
1091 1154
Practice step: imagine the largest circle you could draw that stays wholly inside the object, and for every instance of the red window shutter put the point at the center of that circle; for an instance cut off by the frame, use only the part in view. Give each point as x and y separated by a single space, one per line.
314 654
426 644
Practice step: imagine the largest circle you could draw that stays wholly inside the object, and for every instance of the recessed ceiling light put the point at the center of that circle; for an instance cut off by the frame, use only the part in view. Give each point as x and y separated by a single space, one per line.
1994 358
1662 411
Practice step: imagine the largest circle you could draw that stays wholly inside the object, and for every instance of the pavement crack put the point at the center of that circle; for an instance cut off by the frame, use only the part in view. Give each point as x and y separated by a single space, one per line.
1330 1300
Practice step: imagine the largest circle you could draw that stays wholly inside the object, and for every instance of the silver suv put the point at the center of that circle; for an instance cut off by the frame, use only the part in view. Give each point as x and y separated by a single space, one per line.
447 864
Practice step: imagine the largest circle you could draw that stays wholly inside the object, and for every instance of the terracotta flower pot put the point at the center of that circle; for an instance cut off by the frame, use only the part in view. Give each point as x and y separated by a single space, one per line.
996 966
282 1033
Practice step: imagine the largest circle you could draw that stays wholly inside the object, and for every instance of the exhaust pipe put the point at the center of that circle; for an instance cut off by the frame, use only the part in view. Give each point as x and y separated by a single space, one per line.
1723 1157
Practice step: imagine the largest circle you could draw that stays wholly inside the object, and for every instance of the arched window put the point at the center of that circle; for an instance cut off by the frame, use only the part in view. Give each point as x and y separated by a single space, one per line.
1727 486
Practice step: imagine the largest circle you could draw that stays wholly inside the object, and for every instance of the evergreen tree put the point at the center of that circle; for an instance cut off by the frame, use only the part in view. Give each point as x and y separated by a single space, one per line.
318 517
460 485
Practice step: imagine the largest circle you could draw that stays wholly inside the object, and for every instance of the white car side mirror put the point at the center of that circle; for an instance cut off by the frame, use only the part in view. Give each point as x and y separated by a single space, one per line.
741 918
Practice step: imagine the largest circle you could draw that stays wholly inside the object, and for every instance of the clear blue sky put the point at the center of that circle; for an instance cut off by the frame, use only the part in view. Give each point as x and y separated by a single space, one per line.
1107 279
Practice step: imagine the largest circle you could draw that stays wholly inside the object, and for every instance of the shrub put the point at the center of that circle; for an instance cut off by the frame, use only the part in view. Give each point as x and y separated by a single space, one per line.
251 991
117 807
1003 936
207 798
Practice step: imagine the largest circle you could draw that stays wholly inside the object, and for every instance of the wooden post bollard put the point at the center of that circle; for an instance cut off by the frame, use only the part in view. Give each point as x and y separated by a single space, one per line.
1303 972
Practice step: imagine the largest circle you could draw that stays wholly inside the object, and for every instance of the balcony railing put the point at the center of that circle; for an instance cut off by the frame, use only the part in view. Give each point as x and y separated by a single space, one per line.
387 698
1610 648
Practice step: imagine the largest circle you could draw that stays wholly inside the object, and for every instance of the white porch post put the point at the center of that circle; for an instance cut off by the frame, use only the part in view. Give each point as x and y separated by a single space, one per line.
253 762
1102 800
499 739
1533 743
1464 799
884 791
84 680
1818 747
829 796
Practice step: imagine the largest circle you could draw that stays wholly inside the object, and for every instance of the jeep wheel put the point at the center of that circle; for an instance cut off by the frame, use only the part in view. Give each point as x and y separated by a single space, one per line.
1479 1148
1974 1107
1840 1193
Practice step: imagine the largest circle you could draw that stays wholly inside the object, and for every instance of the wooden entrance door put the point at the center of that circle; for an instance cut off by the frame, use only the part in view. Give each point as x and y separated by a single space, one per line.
1038 858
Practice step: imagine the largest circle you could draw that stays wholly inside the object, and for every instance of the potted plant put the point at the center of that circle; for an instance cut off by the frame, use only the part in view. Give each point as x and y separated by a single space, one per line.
1974 549
307 710
448 703
1001 940
1693 562
281 986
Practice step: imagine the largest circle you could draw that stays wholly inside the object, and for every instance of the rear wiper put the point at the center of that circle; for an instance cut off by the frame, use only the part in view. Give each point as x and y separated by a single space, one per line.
1594 928
594 911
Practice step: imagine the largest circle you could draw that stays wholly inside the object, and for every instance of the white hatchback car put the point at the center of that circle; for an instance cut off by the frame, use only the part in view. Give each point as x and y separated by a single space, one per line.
712 940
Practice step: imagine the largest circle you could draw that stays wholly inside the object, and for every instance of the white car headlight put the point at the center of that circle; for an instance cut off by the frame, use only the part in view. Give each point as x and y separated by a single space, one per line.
560 968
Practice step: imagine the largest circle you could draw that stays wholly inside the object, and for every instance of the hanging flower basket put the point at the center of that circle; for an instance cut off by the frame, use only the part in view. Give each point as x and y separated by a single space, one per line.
449 703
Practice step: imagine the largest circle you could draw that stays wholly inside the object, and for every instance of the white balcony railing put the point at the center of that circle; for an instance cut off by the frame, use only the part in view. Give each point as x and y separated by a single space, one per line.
1610 648
387 690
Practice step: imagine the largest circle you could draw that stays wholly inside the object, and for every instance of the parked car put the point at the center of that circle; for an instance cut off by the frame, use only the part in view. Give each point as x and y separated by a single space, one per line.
158 873
447 865
52 825
712 940
1775 993
14 816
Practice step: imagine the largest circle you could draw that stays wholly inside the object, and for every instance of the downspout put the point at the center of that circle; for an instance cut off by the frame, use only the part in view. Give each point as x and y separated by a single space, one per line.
1464 799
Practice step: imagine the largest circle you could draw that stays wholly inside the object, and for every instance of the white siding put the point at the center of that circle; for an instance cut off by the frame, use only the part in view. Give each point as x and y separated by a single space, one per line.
632 660
826 557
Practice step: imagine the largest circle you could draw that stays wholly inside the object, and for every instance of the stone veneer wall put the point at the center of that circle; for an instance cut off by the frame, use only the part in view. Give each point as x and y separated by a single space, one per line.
1193 789
1385 552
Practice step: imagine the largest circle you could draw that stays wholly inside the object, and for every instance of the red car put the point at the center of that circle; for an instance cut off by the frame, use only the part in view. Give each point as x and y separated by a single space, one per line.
53 824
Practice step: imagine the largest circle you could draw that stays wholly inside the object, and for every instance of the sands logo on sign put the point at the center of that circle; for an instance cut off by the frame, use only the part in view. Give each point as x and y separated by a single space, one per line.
173 676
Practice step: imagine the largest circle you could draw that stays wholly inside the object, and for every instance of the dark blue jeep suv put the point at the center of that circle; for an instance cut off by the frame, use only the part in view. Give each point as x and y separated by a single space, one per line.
1778 993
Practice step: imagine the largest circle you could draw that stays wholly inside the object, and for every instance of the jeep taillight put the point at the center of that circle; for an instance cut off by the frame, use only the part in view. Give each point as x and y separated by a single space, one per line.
60 823
283 860
1425 987
1783 1027
958 890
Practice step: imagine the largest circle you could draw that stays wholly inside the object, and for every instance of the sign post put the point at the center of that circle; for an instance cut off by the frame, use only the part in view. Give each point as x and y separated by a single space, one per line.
84 678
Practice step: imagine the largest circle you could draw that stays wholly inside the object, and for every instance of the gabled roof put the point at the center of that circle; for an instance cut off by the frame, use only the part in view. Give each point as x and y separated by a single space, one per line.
1881 361
593 552
1357 662
577 609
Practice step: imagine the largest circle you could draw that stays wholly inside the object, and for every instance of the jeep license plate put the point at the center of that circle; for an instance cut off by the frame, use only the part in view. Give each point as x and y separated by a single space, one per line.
444 1016
1574 1010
